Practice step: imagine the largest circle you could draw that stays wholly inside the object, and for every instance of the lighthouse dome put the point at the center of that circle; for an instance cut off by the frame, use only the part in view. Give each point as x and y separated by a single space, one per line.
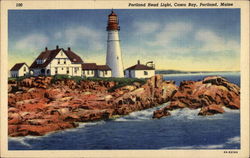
113 22
112 13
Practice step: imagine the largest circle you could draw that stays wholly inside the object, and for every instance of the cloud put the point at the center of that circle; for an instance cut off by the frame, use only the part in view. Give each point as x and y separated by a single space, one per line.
184 42
171 32
58 35
32 41
210 41
85 36
146 27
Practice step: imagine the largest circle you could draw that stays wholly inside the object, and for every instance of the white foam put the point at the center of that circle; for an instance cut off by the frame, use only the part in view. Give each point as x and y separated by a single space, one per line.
85 124
234 140
227 110
185 113
20 140
140 115
191 114
219 146
82 125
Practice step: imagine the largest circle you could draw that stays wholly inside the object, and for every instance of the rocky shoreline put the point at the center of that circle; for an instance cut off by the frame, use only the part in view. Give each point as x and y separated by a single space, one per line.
210 95
39 105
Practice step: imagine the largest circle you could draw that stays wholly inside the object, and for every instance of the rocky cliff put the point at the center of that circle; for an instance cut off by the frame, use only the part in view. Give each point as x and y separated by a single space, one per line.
39 105
210 95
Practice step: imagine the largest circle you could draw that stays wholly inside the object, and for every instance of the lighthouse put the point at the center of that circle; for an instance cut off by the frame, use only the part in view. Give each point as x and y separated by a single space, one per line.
114 55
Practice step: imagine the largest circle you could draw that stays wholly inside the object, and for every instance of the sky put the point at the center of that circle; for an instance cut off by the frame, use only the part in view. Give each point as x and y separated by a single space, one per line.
176 39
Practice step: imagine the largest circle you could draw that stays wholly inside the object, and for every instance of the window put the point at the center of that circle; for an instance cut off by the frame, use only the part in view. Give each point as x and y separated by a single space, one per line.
88 72
58 61
105 72
145 73
92 72
24 69
56 70
67 70
64 61
62 68
83 72
76 68
61 53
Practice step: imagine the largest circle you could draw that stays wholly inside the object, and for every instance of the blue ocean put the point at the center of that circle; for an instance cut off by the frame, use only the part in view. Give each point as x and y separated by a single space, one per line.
184 129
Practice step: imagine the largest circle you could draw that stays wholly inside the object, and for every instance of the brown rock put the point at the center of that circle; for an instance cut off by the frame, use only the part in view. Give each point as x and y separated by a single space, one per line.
211 110
161 113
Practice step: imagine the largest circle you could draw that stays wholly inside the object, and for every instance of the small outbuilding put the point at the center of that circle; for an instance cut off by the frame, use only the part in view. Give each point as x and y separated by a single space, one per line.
94 70
89 70
140 71
104 71
19 69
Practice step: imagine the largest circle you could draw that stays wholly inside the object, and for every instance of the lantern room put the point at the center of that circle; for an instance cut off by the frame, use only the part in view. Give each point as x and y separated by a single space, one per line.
113 22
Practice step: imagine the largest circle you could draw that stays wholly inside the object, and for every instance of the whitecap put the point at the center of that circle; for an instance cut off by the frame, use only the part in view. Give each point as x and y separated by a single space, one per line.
191 114
185 114
20 140
227 110
234 140
85 124
140 115
218 146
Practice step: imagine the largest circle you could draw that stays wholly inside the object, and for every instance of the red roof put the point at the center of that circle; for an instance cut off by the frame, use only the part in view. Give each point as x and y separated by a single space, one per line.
89 66
73 57
17 66
140 67
49 55
103 67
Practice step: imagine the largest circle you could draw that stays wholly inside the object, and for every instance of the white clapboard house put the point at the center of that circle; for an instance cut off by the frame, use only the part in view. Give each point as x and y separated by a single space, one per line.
60 62
140 71
57 62
19 70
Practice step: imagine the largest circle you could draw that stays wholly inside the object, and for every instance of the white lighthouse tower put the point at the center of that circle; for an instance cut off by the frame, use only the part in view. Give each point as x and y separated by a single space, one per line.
114 55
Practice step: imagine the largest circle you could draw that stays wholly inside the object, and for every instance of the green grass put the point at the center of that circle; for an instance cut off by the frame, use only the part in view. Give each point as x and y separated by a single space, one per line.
12 79
120 81
17 78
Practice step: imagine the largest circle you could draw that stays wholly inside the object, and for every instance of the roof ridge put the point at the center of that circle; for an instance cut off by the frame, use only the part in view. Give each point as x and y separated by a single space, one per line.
140 67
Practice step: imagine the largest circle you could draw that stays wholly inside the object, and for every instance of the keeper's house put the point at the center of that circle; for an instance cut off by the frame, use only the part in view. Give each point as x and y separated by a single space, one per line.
19 70
140 71
57 62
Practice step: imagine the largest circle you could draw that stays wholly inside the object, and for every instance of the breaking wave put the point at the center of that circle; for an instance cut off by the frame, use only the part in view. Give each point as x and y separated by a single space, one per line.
178 114
20 141
140 115
234 140
230 141
24 140
86 124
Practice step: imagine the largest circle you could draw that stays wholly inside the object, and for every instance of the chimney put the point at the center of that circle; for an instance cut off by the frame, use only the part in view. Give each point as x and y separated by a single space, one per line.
46 48
138 62
57 47
68 48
